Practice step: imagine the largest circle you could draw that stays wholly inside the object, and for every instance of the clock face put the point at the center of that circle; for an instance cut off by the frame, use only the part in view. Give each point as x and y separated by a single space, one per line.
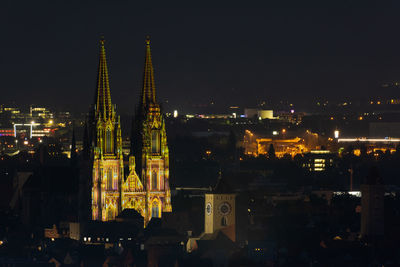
224 208
208 208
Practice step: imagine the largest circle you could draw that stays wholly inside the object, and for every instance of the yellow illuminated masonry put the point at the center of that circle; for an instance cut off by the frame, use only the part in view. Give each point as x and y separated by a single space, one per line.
146 187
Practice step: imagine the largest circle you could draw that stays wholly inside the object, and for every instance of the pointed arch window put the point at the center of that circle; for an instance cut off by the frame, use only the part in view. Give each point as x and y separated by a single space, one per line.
155 212
109 179
223 221
108 141
110 214
115 180
154 180
155 141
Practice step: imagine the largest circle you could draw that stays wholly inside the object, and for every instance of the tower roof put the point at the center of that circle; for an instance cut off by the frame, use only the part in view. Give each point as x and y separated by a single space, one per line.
103 97
149 87
222 187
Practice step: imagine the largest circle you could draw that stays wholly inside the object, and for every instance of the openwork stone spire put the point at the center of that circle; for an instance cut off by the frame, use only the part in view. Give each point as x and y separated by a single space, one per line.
149 87
103 107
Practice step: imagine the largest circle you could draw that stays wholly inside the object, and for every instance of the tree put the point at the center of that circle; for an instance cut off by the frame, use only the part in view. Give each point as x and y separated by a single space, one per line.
271 152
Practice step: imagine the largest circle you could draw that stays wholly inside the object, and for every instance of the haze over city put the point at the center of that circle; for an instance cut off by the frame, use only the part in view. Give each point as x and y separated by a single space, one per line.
232 54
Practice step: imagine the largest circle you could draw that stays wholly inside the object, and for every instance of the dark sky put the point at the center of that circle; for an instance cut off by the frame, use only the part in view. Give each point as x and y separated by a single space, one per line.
223 53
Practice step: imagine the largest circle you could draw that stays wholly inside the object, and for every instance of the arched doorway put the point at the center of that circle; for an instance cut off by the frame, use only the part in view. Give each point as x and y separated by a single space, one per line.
155 209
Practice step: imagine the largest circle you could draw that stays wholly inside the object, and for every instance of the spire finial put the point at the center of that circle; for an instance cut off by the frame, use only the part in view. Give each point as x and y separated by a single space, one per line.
147 39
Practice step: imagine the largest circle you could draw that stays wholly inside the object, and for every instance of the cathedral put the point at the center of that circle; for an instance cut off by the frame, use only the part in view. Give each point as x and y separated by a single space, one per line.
145 186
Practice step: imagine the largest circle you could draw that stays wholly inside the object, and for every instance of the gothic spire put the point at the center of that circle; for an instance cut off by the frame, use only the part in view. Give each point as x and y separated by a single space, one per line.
103 97
149 87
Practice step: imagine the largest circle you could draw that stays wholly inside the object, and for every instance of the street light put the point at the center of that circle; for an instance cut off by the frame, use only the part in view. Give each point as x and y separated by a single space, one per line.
336 134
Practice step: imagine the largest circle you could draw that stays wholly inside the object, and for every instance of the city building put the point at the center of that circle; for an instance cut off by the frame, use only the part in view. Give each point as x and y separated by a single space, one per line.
7 132
146 188
149 146
40 112
218 241
256 145
259 113
319 160
372 206
10 112
220 211
108 169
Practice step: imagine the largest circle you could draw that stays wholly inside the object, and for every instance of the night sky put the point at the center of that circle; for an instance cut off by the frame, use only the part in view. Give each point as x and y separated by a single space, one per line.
232 55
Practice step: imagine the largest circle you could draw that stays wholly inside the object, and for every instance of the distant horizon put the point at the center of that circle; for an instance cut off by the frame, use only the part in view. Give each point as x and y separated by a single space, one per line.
229 54
217 107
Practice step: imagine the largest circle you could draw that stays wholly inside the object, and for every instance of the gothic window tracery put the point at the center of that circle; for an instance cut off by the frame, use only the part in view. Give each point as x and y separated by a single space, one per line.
108 141
109 179
154 180
155 210
110 213
155 141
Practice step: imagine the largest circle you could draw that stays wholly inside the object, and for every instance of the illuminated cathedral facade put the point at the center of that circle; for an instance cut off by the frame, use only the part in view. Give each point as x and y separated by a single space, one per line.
145 187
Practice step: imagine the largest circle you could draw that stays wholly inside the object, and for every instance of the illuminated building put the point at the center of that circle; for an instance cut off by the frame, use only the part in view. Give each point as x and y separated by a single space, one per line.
292 117
319 160
40 112
282 146
148 192
266 114
259 113
256 146
42 132
371 145
107 174
13 112
24 128
6 132
149 146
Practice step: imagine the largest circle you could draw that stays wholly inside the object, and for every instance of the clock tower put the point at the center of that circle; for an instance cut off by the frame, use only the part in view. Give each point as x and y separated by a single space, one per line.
220 211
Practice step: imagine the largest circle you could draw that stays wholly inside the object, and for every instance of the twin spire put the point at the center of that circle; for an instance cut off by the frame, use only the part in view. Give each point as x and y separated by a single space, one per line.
102 100
103 103
149 87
